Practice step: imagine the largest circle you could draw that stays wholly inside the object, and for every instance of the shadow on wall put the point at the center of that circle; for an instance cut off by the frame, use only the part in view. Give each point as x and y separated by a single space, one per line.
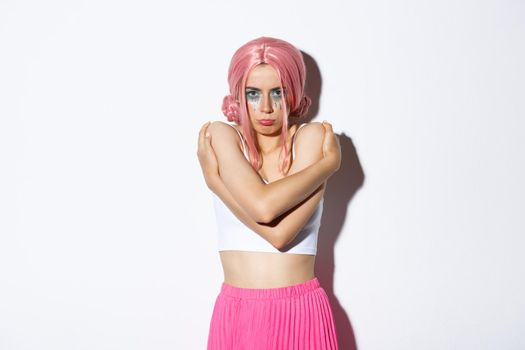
340 190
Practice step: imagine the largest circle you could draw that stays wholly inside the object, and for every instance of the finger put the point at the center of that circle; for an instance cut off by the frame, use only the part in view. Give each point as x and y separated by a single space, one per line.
204 126
207 134
207 142
327 126
202 133
201 140
207 137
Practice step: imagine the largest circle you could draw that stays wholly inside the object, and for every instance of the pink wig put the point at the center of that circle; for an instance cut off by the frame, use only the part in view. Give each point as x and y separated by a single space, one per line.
288 61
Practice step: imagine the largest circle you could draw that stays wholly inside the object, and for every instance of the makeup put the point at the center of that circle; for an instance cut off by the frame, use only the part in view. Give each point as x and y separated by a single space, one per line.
254 97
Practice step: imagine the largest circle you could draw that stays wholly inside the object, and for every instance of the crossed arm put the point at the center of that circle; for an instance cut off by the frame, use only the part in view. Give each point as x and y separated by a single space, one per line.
281 230
276 211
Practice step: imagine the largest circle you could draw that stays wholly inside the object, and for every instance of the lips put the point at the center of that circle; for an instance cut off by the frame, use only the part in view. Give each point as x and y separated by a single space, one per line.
266 122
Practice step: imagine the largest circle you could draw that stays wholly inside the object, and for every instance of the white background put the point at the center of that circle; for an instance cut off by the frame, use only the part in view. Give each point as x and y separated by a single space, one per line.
107 230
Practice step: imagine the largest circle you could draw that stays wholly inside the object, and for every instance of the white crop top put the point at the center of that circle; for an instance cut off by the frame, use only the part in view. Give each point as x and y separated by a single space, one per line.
234 235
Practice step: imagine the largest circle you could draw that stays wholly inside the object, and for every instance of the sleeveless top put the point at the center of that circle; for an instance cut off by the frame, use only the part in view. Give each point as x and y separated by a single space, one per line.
234 235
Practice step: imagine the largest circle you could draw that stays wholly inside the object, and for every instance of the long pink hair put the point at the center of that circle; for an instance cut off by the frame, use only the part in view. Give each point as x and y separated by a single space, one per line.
288 61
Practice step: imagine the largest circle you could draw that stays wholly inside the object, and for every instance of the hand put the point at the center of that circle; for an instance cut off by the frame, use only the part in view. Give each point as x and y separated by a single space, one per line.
331 146
207 158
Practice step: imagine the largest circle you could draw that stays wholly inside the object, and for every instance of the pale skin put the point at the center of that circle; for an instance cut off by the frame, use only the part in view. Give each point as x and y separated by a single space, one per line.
279 209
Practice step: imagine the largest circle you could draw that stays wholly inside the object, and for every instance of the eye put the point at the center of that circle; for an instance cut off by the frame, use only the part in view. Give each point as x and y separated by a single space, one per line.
276 92
251 94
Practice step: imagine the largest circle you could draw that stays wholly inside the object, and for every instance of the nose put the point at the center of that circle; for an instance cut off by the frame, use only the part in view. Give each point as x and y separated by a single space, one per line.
266 104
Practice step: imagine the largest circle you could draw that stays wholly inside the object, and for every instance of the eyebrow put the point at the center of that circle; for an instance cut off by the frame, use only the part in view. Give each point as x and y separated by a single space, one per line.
254 88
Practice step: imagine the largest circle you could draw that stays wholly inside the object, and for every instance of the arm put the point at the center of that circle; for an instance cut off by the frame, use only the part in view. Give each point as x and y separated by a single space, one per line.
283 229
267 232
264 202
280 232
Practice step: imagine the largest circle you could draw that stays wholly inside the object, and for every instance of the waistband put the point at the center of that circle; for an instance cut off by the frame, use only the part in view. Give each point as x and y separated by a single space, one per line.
270 293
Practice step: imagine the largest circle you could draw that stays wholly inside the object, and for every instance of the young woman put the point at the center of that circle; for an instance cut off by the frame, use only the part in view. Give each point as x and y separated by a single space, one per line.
268 175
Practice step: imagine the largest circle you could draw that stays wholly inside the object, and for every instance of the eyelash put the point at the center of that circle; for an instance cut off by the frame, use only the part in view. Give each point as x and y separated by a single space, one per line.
252 94
276 93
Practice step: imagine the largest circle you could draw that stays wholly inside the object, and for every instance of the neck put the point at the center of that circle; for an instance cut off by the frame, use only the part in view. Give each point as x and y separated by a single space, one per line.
268 144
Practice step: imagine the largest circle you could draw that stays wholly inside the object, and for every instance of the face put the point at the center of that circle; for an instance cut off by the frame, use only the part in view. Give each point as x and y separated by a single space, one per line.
263 97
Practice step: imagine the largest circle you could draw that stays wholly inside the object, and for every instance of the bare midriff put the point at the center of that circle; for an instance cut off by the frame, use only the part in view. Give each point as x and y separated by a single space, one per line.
246 269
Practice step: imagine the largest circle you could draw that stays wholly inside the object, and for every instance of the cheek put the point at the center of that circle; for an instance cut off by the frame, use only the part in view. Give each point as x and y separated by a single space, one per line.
254 102
277 102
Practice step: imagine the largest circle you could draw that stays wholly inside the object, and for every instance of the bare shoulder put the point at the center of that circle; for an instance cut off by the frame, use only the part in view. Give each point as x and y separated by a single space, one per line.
308 145
310 135
223 136
223 131
312 127
220 127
